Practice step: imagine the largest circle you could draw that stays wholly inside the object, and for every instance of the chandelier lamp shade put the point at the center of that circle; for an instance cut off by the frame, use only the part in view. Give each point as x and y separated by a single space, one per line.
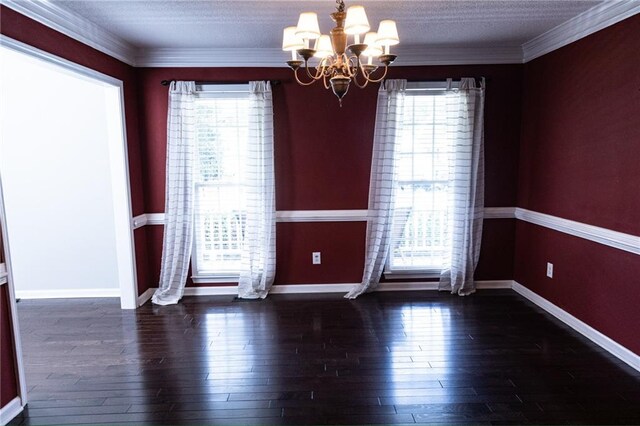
338 63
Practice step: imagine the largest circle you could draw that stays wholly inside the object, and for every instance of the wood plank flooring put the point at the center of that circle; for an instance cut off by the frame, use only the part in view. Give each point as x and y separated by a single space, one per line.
385 358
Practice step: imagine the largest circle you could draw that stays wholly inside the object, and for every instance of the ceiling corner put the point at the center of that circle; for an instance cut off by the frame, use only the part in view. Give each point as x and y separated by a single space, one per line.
76 27
582 25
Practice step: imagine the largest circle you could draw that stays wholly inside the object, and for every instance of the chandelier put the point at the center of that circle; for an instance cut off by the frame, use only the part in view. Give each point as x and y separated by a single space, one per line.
335 67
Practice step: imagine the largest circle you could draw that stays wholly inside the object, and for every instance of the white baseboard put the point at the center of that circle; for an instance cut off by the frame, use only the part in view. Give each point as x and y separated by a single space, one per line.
586 330
11 410
433 285
333 288
144 297
495 284
276 289
67 293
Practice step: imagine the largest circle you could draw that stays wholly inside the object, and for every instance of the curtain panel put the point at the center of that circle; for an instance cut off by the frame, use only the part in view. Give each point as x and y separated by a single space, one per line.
465 135
179 194
258 254
388 128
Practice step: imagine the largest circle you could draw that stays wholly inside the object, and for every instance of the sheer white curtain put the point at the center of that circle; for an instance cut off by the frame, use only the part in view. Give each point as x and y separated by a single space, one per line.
387 129
258 254
465 133
179 192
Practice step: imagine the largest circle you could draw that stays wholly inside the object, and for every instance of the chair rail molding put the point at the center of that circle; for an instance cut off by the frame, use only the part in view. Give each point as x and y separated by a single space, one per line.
322 215
361 215
619 240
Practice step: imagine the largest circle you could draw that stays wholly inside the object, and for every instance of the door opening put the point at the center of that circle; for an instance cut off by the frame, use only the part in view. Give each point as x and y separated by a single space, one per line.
64 177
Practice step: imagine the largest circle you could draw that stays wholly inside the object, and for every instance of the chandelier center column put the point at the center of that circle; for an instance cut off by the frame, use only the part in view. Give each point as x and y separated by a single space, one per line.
338 36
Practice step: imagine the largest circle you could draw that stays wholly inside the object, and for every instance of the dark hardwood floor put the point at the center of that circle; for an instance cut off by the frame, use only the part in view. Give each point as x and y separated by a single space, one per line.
411 357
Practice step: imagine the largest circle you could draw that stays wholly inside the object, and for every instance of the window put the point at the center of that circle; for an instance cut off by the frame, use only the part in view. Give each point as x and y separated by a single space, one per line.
423 158
221 138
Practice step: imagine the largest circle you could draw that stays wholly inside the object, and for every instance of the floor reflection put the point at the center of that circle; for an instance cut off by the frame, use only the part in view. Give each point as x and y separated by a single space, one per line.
423 358
316 359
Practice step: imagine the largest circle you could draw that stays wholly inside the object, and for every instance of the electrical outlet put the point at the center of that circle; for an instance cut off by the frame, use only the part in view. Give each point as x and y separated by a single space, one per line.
549 269
315 258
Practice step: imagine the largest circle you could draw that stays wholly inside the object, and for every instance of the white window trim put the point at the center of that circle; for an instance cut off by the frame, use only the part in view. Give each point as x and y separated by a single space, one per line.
207 277
215 278
418 88
399 274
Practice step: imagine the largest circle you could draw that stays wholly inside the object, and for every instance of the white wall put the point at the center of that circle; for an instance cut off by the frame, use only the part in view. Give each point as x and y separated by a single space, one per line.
54 163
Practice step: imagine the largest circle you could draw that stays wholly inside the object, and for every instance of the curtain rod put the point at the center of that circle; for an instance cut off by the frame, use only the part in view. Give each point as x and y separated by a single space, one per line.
277 82
411 80
200 83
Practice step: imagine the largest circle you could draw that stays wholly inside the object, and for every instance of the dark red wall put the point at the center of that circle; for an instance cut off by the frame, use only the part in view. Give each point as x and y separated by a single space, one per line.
8 382
25 30
580 160
580 146
323 159
595 283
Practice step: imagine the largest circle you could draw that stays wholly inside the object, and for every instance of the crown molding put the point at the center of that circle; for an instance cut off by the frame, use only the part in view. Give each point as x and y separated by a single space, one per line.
594 19
457 55
80 29
212 57
252 57
74 26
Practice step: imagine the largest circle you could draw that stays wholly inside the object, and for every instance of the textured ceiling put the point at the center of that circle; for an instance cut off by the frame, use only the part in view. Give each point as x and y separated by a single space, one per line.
259 24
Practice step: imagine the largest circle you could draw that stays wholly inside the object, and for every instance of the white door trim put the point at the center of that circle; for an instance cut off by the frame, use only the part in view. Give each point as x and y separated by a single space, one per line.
8 273
11 410
119 161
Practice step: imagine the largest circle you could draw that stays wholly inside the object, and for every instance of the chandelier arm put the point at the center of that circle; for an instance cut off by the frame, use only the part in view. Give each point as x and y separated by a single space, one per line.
302 83
352 66
378 80
357 83
318 71
324 81
360 70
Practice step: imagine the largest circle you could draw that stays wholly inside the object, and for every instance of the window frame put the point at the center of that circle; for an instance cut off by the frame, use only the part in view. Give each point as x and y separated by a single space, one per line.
419 88
214 91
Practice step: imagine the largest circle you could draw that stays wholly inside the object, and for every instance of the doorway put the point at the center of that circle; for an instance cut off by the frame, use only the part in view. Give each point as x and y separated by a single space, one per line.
64 179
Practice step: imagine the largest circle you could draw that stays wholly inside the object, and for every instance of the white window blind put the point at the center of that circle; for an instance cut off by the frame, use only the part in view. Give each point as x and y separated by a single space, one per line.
423 157
220 214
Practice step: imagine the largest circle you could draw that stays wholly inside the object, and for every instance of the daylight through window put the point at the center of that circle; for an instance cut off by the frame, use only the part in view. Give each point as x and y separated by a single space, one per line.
423 159
220 214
